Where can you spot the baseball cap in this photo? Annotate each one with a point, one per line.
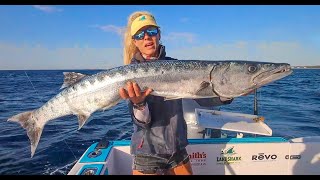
(141, 21)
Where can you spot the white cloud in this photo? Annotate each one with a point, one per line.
(112, 28)
(179, 36)
(184, 20)
(40, 57)
(47, 9)
(284, 52)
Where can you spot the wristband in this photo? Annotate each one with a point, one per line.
(139, 105)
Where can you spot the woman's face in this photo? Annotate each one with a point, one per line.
(147, 40)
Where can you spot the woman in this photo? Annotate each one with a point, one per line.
(159, 140)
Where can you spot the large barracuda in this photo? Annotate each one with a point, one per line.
(84, 94)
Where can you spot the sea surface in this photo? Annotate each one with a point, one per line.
(291, 107)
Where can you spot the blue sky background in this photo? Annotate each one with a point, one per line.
(89, 36)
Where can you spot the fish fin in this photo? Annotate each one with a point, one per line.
(167, 98)
(203, 85)
(82, 118)
(111, 104)
(203, 88)
(71, 78)
(34, 129)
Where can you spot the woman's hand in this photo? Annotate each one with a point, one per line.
(133, 93)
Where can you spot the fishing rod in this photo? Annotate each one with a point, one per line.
(41, 99)
(255, 104)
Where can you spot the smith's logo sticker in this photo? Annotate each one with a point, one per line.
(198, 159)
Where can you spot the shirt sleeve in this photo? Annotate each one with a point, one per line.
(142, 115)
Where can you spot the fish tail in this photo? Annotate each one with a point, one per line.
(29, 122)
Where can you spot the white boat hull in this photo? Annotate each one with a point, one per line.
(218, 156)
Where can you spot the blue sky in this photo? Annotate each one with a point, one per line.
(89, 36)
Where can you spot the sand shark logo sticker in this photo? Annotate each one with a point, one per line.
(228, 151)
(228, 156)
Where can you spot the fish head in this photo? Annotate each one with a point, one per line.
(237, 78)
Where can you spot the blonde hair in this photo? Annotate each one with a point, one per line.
(129, 47)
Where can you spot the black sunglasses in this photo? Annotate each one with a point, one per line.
(151, 31)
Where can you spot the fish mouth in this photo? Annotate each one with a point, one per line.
(269, 76)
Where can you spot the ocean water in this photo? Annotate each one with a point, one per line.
(291, 107)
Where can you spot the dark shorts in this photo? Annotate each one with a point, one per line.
(152, 163)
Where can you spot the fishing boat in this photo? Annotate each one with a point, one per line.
(251, 151)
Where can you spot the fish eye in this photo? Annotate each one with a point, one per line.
(252, 68)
